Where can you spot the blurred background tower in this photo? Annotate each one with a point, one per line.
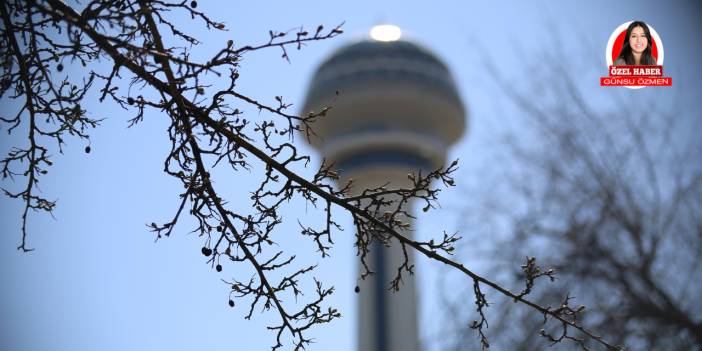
(397, 112)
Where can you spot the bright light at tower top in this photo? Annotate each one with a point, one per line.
(386, 32)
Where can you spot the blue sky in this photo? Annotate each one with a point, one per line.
(97, 280)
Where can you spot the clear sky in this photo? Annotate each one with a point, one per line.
(97, 280)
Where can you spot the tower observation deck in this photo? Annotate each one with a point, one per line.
(397, 112)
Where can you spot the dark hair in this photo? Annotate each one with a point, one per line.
(627, 55)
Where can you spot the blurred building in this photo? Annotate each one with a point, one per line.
(397, 112)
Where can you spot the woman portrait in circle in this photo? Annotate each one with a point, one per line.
(636, 49)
